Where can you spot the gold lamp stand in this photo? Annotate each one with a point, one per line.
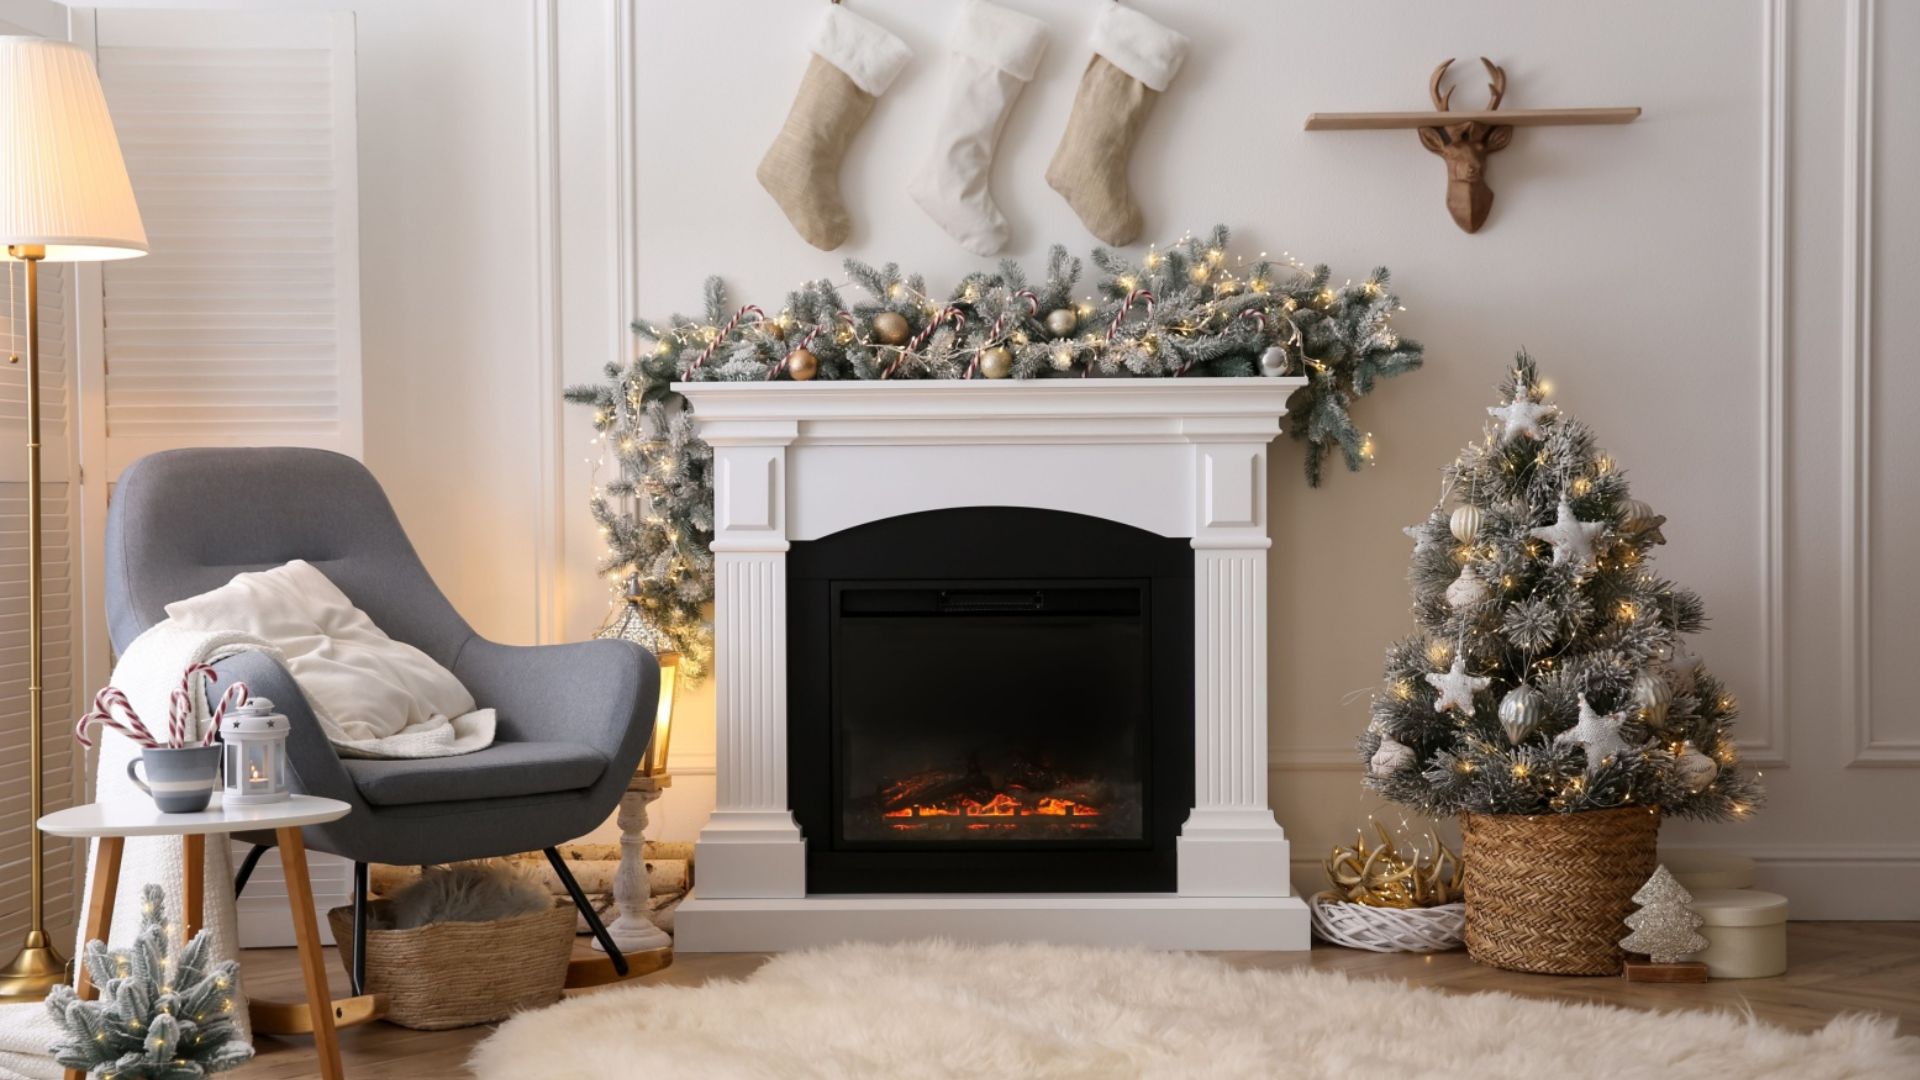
(38, 966)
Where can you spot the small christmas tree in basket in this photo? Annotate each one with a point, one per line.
(160, 1015)
(1549, 697)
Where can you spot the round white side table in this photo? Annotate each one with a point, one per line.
(111, 825)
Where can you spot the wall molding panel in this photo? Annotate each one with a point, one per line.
(1857, 388)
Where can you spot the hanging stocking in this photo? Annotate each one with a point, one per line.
(995, 52)
(1134, 60)
(854, 61)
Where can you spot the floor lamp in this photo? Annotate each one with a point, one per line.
(65, 197)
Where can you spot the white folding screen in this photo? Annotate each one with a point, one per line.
(242, 327)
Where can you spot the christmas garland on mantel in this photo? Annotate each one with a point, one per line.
(1189, 310)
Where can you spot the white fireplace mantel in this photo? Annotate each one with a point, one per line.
(1177, 457)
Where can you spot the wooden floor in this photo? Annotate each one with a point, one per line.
(1833, 968)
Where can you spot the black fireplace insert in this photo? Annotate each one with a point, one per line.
(990, 699)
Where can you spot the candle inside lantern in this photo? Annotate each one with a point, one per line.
(256, 754)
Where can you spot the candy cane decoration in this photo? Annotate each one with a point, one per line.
(725, 332)
(237, 695)
(947, 313)
(1120, 316)
(1033, 302)
(105, 704)
(1113, 328)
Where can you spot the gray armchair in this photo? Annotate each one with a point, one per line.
(573, 720)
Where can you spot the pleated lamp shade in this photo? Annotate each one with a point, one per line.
(63, 183)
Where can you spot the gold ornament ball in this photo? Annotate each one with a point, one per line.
(776, 331)
(996, 363)
(891, 328)
(803, 365)
(1062, 321)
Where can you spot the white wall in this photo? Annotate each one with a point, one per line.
(1646, 266)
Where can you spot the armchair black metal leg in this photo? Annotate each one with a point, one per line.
(358, 977)
(246, 868)
(586, 911)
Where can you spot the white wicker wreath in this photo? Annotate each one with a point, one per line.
(1388, 929)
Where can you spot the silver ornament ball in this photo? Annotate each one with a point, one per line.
(1273, 361)
(1634, 515)
(1652, 696)
(1696, 770)
(1062, 321)
(1521, 713)
(1390, 758)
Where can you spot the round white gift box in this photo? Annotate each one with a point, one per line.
(1746, 932)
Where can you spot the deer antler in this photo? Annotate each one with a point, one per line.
(1498, 87)
(1433, 86)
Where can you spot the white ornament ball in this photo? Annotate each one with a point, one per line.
(1521, 712)
(1273, 361)
(1696, 770)
(1466, 522)
(1062, 321)
(1392, 756)
(1466, 590)
(1652, 696)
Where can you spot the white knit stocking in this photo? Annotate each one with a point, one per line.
(995, 53)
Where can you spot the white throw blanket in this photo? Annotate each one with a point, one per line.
(374, 697)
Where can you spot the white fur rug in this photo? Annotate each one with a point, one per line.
(934, 1010)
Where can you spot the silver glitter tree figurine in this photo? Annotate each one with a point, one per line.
(1665, 930)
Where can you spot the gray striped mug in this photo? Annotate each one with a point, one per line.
(181, 780)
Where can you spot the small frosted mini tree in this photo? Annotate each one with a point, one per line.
(1549, 671)
(160, 1015)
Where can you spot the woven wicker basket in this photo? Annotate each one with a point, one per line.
(1550, 893)
(455, 974)
(1386, 929)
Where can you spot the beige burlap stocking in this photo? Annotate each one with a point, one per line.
(1134, 60)
(854, 61)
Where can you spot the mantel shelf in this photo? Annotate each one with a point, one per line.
(1384, 121)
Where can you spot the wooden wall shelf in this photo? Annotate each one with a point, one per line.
(1386, 121)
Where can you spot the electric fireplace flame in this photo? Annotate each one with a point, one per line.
(1001, 805)
(1024, 800)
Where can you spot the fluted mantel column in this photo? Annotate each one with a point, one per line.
(1230, 844)
(751, 847)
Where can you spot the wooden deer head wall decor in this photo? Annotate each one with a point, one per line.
(1464, 138)
(1465, 147)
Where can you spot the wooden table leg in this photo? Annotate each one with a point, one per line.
(193, 879)
(106, 883)
(313, 961)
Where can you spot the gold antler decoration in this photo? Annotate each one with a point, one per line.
(1382, 877)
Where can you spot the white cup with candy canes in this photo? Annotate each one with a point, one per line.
(183, 768)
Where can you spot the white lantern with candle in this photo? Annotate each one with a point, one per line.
(256, 754)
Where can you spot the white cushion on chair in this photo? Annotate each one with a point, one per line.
(376, 697)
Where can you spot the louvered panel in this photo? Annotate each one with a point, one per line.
(56, 364)
(57, 682)
(241, 325)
